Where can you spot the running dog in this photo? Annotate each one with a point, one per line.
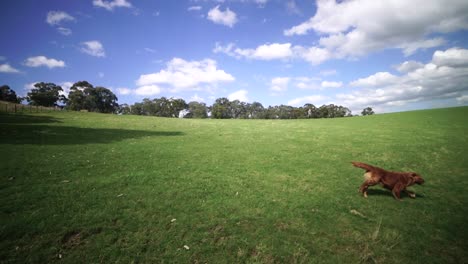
(394, 181)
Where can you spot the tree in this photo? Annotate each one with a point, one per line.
(101, 99)
(255, 110)
(221, 109)
(197, 110)
(83, 96)
(9, 95)
(77, 97)
(367, 111)
(271, 112)
(162, 107)
(285, 112)
(136, 109)
(310, 111)
(298, 113)
(124, 109)
(322, 112)
(45, 94)
(238, 109)
(341, 111)
(176, 105)
(147, 107)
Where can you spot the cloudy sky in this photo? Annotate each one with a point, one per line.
(391, 55)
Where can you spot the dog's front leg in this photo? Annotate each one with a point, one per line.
(396, 191)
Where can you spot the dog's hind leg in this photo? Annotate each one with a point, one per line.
(365, 186)
(410, 193)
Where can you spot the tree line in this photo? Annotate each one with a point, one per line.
(84, 96)
(223, 108)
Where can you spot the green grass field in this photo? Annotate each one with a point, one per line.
(94, 188)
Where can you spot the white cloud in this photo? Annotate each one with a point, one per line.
(279, 84)
(271, 51)
(240, 95)
(314, 83)
(196, 98)
(262, 52)
(314, 55)
(227, 17)
(149, 50)
(306, 83)
(454, 57)
(29, 86)
(349, 29)
(182, 75)
(229, 49)
(261, 2)
(409, 66)
(328, 72)
(39, 61)
(371, 16)
(55, 18)
(276, 51)
(462, 99)
(124, 91)
(194, 8)
(93, 48)
(328, 84)
(64, 31)
(292, 8)
(411, 47)
(110, 5)
(148, 90)
(66, 88)
(312, 99)
(445, 77)
(376, 80)
(6, 68)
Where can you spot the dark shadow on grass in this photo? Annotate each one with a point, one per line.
(383, 192)
(26, 119)
(20, 134)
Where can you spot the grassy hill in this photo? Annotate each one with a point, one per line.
(88, 188)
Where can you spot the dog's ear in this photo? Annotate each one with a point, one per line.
(414, 174)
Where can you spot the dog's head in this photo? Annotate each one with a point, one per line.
(417, 178)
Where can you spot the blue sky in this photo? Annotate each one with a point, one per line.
(390, 55)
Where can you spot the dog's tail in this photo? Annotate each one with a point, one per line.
(361, 165)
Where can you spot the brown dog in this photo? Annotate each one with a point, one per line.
(394, 181)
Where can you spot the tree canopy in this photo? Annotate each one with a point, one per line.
(367, 111)
(223, 108)
(45, 94)
(84, 96)
(197, 110)
(164, 107)
(9, 95)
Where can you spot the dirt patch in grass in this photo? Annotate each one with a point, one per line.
(72, 239)
(75, 238)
